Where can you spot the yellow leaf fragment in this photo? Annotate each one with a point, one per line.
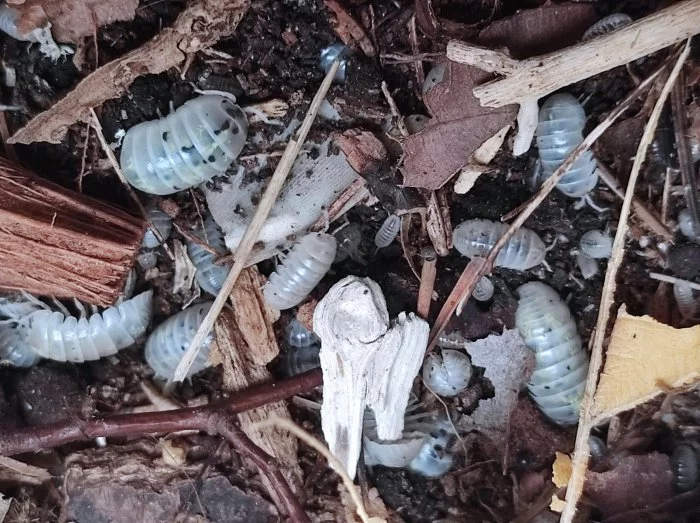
(644, 355)
(561, 472)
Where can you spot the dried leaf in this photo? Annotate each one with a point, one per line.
(638, 481)
(479, 161)
(643, 356)
(540, 30)
(459, 126)
(508, 363)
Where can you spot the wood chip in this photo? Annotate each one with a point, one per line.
(350, 32)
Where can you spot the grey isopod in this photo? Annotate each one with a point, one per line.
(596, 244)
(186, 148)
(388, 231)
(684, 465)
(162, 222)
(209, 276)
(607, 25)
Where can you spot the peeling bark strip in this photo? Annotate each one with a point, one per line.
(62, 243)
(199, 26)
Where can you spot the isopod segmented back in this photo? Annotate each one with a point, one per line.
(14, 348)
(168, 342)
(559, 132)
(477, 237)
(607, 25)
(186, 148)
(388, 231)
(596, 244)
(561, 364)
(209, 275)
(162, 222)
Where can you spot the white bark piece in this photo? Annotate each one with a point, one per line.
(528, 115)
(367, 362)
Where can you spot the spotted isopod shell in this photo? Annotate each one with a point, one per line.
(447, 373)
(186, 148)
(434, 459)
(303, 268)
(388, 231)
(607, 25)
(561, 364)
(596, 244)
(684, 465)
(559, 132)
(162, 222)
(56, 336)
(484, 290)
(14, 349)
(209, 276)
(434, 77)
(168, 342)
(415, 123)
(476, 238)
(685, 299)
(685, 223)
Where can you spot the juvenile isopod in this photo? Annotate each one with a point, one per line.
(14, 349)
(476, 238)
(484, 290)
(162, 222)
(434, 459)
(147, 259)
(434, 77)
(685, 223)
(209, 276)
(60, 337)
(607, 25)
(388, 231)
(685, 299)
(561, 364)
(596, 244)
(447, 373)
(559, 132)
(169, 341)
(684, 465)
(186, 148)
(303, 268)
(415, 123)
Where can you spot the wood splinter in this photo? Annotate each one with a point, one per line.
(57, 242)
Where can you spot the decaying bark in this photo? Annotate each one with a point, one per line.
(246, 343)
(62, 243)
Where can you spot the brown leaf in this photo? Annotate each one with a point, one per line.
(541, 30)
(458, 127)
(636, 482)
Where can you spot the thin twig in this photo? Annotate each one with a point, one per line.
(480, 267)
(251, 234)
(120, 174)
(31, 439)
(673, 279)
(665, 199)
(586, 421)
(394, 110)
(415, 47)
(196, 239)
(396, 58)
(427, 282)
(83, 157)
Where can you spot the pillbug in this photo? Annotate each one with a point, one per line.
(448, 373)
(147, 259)
(607, 25)
(415, 123)
(303, 350)
(684, 465)
(596, 244)
(160, 221)
(484, 290)
(685, 299)
(303, 268)
(388, 231)
(329, 55)
(685, 223)
(300, 336)
(62, 337)
(14, 348)
(186, 148)
(434, 77)
(476, 238)
(434, 459)
(168, 342)
(9, 18)
(597, 448)
(587, 265)
(559, 132)
(209, 276)
(561, 365)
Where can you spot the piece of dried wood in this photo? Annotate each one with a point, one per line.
(199, 26)
(246, 342)
(62, 243)
(538, 76)
(18, 472)
(366, 362)
(350, 32)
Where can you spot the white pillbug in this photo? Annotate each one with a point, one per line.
(559, 132)
(61, 337)
(447, 373)
(434, 459)
(561, 364)
(685, 466)
(476, 238)
(168, 342)
(14, 349)
(190, 146)
(434, 77)
(685, 299)
(300, 336)
(303, 268)
(162, 222)
(685, 223)
(209, 276)
(388, 231)
(596, 244)
(484, 290)
(607, 25)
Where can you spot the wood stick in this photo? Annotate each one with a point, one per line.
(427, 282)
(537, 77)
(673, 279)
(587, 419)
(251, 234)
